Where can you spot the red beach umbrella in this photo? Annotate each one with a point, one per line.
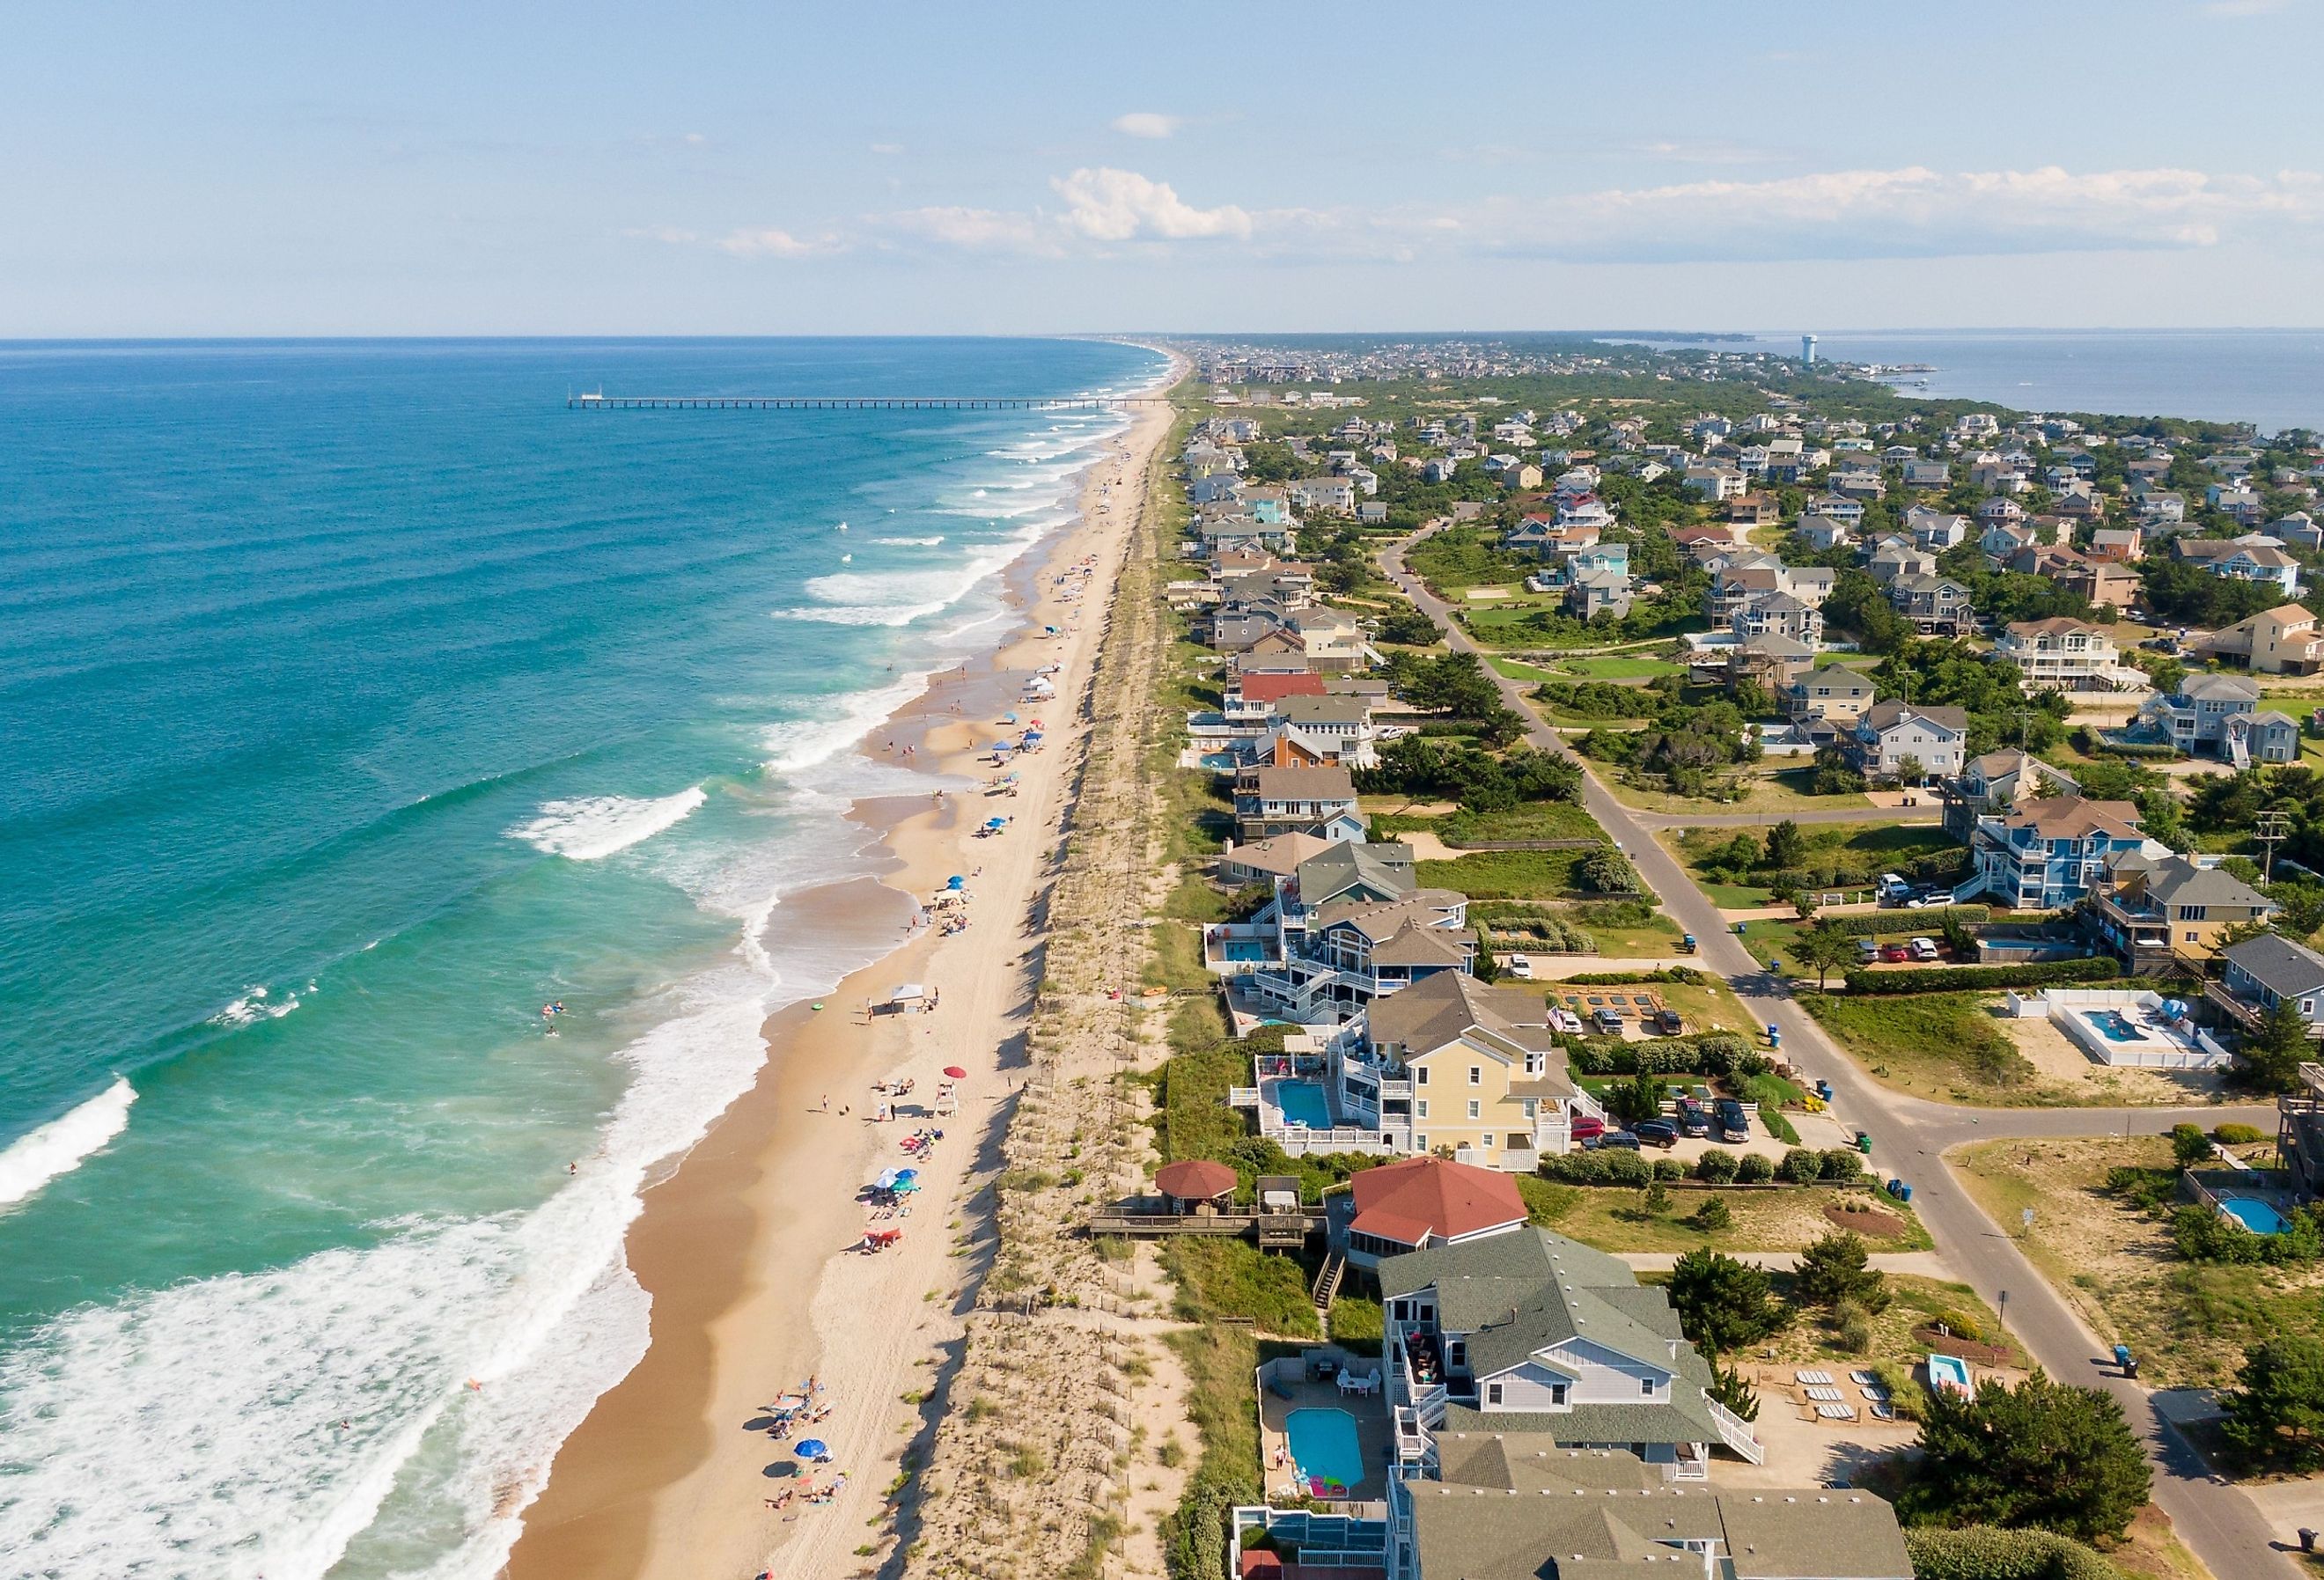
(954, 1072)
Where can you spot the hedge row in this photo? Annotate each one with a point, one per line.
(1930, 921)
(1724, 1054)
(1964, 978)
(1620, 1166)
(1988, 1552)
(1678, 975)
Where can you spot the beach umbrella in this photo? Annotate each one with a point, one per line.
(813, 1448)
(1008, 718)
(903, 1175)
(887, 1179)
(955, 882)
(1001, 745)
(954, 1072)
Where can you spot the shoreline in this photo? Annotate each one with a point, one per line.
(744, 1246)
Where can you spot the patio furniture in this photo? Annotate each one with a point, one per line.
(1825, 1395)
(1819, 1378)
(1884, 1412)
(1836, 1412)
(1864, 1379)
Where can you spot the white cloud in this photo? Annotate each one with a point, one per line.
(887, 148)
(974, 230)
(766, 242)
(697, 139)
(667, 234)
(1147, 124)
(1108, 205)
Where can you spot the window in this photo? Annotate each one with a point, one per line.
(1476, 1075)
(1475, 1109)
(1492, 1393)
(1456, 1353)
(1423, 1106)
(1420, 1143)
(2191, 936)
(1420, 1075)
(1557, 1393)
(1646, 1388)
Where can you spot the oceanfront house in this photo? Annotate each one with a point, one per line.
(1263, 861)
(1529, 1332)
(1996, 782)
(1834, 695)
(1214, 488)
(1937, 605)
(1343, 955)
(2064, 654)
(2163, 912)
(1418, 1203)
(1319, 731)
(2276, 642)
(1894, 740)
(1251, 697)
(2239, 561)
(2047, 853)
(1228, 529)
(1269, 800)
(2266, 970)
(2214, 715)
(1269, 506)
(1331, 640)
(1450, 1064)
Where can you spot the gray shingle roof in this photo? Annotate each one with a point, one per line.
(2277, 963)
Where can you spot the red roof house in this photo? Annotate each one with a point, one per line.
(1427, 1201)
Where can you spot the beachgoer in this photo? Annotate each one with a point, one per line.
(827, 1102)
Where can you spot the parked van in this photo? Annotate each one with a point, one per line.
(1923, 949)
(1727, 1116)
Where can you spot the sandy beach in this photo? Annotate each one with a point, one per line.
(747, 1247)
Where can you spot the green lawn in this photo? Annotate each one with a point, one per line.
(1613, 1218)
(1516, 671)
(1942, 1045)
(1615, 666)
(1531, 821)
(1507, 875)
(1857, 854)
(1782, 790)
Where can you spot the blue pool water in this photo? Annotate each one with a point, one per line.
(1245, 951)
(1303, 1103)
(1949, 1372)
(2256, 1215)
(1324, 1445)
(2116, 1026)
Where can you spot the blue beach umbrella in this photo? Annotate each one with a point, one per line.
(813, 1448)
(908, 1174)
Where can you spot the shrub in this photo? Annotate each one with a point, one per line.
(1753, 1169)
(1715, 1166)
(1800, 1167)
(1960, 1323)
(1866, 923)
(1669, 1168)
(1987, 1552)
(1852, 1329)
(1959, 978)
(1714, 1216)
(2238, 1135)
(1355, 1325)
(2190, 1146)
(1839, 1163)
(1607, 1166)
(1655, 1200)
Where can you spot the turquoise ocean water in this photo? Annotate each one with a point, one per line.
(357, 701)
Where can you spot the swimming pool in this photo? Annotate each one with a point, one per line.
(1242, 949)
(2256, 1215)
(1324, 1446)
(1303, 1103)
(1951, 1372)
(2117, 1026)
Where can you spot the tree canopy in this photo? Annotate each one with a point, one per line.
(1723, 1304)
(2041, 1454)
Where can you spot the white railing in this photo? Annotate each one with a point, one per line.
(1685, 1468)
(1735, 1432)
(1242, 1097)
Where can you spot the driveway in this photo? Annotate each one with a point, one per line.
(2225, 1528)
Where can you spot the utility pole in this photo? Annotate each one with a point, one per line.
(2269, 832)
(2024, 716)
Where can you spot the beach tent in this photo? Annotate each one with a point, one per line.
(908, 998)
(955, 882)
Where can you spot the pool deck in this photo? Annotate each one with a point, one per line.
(1372, 1435)
(1271, 1103)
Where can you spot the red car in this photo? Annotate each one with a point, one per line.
(1587, 1129)
(1894, 953)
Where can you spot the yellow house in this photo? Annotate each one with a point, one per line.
(1451, 1066)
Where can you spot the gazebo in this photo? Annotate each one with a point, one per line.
(1196, 1185)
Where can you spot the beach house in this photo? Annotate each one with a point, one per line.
(2064, 654)
(2240, 562)
(1895, 740)
(1996, 782)
(1530, 1332)
(1834, 695)
(1451, 1064)
(1416, 1203)
(1937, 605)
(2264, 971)
(1270, 800)
(2156, 910)
(2281, 640)
(2207, 713)
(2046, 853)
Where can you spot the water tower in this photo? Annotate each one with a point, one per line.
(1807, 350)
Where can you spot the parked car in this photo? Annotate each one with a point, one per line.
(1895, 954)
(1923, 949)
(1521, 968)
(1893, 889)
(1692, 1120)
(1867, 950)
(1732, 1123)
(1620, 1139)
(1655, 1132)
(1669, 1022)
(1607, 1020)
(1567, 1022)
(1587, 1128)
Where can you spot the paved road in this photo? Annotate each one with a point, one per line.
(1909, 1136)
(1929, 815)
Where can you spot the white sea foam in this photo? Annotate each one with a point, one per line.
(861, 614)
(595, 827)
(795, 744)
(910, 542)
(59, 1146)
(257, 1003)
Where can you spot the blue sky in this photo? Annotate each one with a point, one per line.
(239, 169)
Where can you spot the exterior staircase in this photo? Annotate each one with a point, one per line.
(1328, 1278)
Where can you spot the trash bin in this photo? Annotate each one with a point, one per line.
(1823, 1090)
(1864, 1143)
(2307, 1539)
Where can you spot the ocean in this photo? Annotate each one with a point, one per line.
(359, 701)
(2274, 378)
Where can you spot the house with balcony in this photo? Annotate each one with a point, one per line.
(1996, 782)
(1269, 800)
(1937, 605)
(2239, 561)
(2047, 853)
(1319, 731)
(2275, 642)
(1451, 1063)
(1935, 530)
(1529, 1332)
(2266, 970)
(1893, 559)
(1892, 737)
(2157, 911)
(2209, 715)
(1419, 1203)
(1778, 614)
(1341, 956)
(2064, 654)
